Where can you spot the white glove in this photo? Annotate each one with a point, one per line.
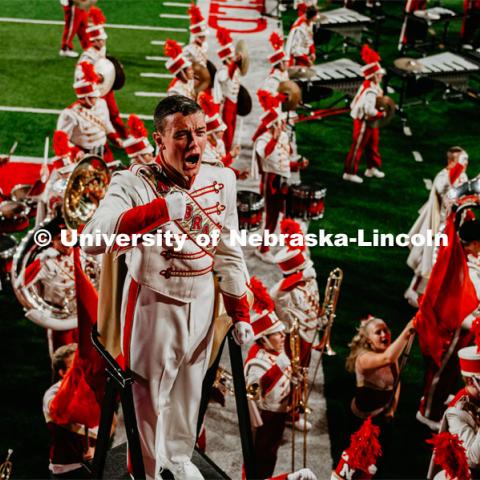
(309, 273)
(303, 474)
(242, 333)
(283, 361)
(176, 205)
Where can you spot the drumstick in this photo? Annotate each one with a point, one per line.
(12, 150)
(44, 171)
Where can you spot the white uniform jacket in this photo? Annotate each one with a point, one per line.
(300, 300)
(300, 40)
(226, 85)
(274, 384)
(177, 87)
(86, 128)
(196, 53)
(278, 160)
(363, 105)
(211, 207)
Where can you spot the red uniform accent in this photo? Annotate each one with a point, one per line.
(115, 114)
(471, 20)
(128, 327)
(229, 117)
(365, 139)
(270, 378)
(237, 307)
(76, 22)
(64, 337)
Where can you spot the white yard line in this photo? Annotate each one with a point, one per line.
(174, 15)
(51, 111)
(177, 4)
(162, 42)
(154, 58)
(107, 25)
(156, 75)
(151, 94)
(17, 159)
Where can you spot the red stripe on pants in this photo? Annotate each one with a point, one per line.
(129, 314)
(274, 202)
(365, 139)
(229, 117)
(76, 22)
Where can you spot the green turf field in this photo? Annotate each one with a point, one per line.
(33, 75)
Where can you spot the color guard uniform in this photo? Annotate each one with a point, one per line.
(168, 296)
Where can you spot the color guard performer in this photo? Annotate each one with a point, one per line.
(76, 23)
(197, 50)
(168, 298)
(181, 68)
(137, 146)
(366, 135)
(432, 218)
(71, 445)
(300, 46)
(87, 121)
(96, 51)
(373, 358)
(267, 376)
(278, 59)
(227, 84)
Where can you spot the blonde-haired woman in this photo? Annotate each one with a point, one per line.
(374, 360)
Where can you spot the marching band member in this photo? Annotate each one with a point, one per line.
(196, 50)
(76, 23)
(300, 46)
(411, 6)
(70, 445)
(215, 153)
(461, 417)
(181, 68)
(87, 121)
(268, 372)
(278, 59)
(296, 295)
(432, 217)
(227, 84)
(373, 358)
(272, 150)
(359, 460)
(450, 304)
(95, 52)
(366, 135)
(470, 23)
(168, 298)
(137, 146)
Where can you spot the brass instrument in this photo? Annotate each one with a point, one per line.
(6, 467)
(329, 307)
(223, 381)
(300, 393)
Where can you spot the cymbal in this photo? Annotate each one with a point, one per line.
(388, 105)
(301, 73)
(241, 48)
(409, 64)
(293, 93)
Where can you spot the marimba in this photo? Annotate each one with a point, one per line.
(346, 22)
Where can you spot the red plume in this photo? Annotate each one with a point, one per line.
(369, 55)
(208, 105)
(195, 14)
(223, 36)
(89, 74)
(262, 299)
(449, 454)
(267, 100)
(137, 127)
(276, 41)
(302, 8)
(172, 48)
(96, 16)
(290, 227)
(61, 146)
(364, 448)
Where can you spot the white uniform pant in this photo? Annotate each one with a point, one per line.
(167, 345)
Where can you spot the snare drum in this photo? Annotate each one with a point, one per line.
(21, 193)
(306, 202)
(13, 217)
(8, 246)
(250, 206)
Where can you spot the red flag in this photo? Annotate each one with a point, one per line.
(449, 297)
(79, 397)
